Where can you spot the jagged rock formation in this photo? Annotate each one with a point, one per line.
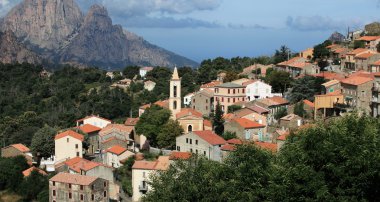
(12, 51)
(337, 37)
(59, 32)
(373, 29)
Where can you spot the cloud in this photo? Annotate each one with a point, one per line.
(167, 22)
(320, 23)
(6, 5)
(242, 26)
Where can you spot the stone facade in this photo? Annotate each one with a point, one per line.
(228, 94)
(203, 101)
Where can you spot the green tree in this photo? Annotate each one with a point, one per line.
(359, 44)
(231, 76)
(33, 185)
(279, 80)
(281, 55)
(168, 133)
(306, 88)
(280, 113)
(227, 135)
(131, 71)
(320, 50)
(11, 172)
(299, 109)
(218, 120)
(233, 108)
(43, 141)
(151, 121)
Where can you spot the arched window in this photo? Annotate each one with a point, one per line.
(190, 128)
(175, 91)
(175, 105)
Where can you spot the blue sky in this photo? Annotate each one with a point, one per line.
(201, 29)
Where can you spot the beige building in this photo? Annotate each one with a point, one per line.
(370, 42)
(94, 120)
(298, 66)
(349, 62)
(308, 53)
(246, 129)
(175, 94)
(116, 155)
(203, 101)
(205, 143)
(141, 173)
(68, 145)
(357, 92)
(228, 94)
(66, 187)
(149, 85)
(190, 120)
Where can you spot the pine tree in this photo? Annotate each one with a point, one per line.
(218, 121)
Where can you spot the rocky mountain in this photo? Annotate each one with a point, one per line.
(58, 31)
(336, 37)
(373, 28)
(12, 51)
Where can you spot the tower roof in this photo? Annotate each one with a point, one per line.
(175, 74)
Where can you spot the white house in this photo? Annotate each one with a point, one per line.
(94, 120)
(206, 143)
(187, 99)
(145, 70)
(115, 155)
(256, 89)
(141, 171)
(68, 145)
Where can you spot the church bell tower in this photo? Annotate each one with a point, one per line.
(175, 94)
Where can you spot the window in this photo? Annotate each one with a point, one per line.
(81, 197)
(243, 90)
(228, 100)
(81, 187)
(191, 150)
(54, 193)
(204, 153)
(77, 153)
(105, 193)
(206, 101)
(206, 107)
(191, 141)
(222, 99)
(175, 105)
(178, 148)
(105, 184)
(70, 195)
(53, 183)
(187, 140)
(76, 146)
(190, 129)
(196, 142)
(234, 100)
(92, 197)
(92, 187)
(196, 151)
(67, 139)
(234, 91)
(143, 174)
(69, 186)
(228, 91)
(193, 100)
(175, 91)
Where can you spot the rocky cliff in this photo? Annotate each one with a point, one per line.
(59, 32)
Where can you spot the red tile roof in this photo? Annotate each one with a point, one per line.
(228, 147)
(117, 149)
(22, 148)
(145, 106)
(247, 124)
(131, 121)
(330, 76)
(283, 134)
(163, 103)
(73, 179)
(210, 137)
(258, 109)
(87, 117)
(364, 55)
(357, 51)
(356, 80)
(88, 128)
(268, 146)
(340, 50)
(308, 103)
(77, 164)
(368, 38)
(235, 141)
(116, 127)
(28, 171)
(279, 100)
(71, 134)
(189, 112)
(179, 155)
(377, 63)
(207, 123)
(162, 163)
(291, 61)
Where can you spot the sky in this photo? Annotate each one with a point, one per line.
(202, 29)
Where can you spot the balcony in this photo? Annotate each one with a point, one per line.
(143, 188)
(376, 89)
(375, 99)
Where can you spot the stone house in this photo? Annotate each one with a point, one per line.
(308, 53)
(375, 67)
(370, 42)
(364, 61)
(17, 150)
(308, 106)
(141, 172)
(116, 155)
(246, 129)
(66, 187)
(273, 105)
(149, 85)
(68, 145)
(332, 86)
(203, 101)
(349, 61)
(93, 137)
(376, 95)
(290, 121)
(205, 143)
(94, 120)
(228, 94)
(116, 134)
(298, 66)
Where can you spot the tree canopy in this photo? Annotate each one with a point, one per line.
(43, 142)
(306, 88)
(279, 80)
(218, 120)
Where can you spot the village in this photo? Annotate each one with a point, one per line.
(87, 154)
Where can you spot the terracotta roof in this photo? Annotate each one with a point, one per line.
(145, 106)
(71, 134)
(268, 146)
(162, 163)
(210, 137)
(340, 50)
(77, 164)
(235, 141)
(147, 68)
(211, 84)
(332, 46)
(188, 112)
(131, 121)
(330, 83)
(180, 155)
(249, 82)
(163, 103)
(377, 63)
(357, 51)
(308, 103)
(258, 109)
(291, 61)
(368, 38)
(117, 149)
(73, 179)
(283, 134)
(330, 75)
(228, 116)
(28, 171)
(228, 147)
(279, 100)
(241, 81)
(87, 117)
(207, 123)
(112, 138)
(243, 112)
(121, 128)
(22, 148)
(290, 117)
(364, 55)
(356, 80)
(88, 128)
(245, 123)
